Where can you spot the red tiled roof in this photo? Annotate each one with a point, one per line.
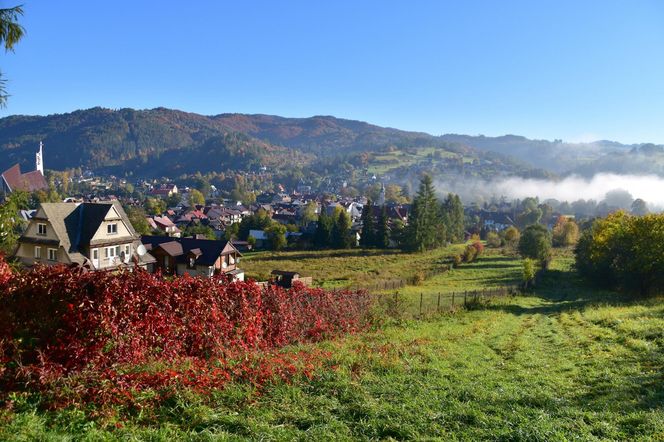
(160, 192)
(28, 182)
(163, 221)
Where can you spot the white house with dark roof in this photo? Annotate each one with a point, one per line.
(95, 234)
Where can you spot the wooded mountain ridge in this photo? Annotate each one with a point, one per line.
(162, 142)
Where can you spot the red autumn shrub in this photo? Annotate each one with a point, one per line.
(479, 247)
(59, 321)
(5, 272)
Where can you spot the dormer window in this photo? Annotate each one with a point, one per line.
(41, 229)
(112, 229)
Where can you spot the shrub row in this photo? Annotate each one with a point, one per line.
(59, 321)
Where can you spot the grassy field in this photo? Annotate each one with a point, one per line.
(385, 162)
(343, 268)
(565, 363)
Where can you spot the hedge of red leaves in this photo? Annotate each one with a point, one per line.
(67, 326)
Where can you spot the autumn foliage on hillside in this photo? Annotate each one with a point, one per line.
(106, 337)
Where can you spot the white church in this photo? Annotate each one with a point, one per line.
(13, 180)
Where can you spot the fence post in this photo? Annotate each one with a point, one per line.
(465, 298)
(452, 299)
(438, 305)
(421, 298)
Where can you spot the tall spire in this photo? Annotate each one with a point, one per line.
(39, 159)
(381, 196)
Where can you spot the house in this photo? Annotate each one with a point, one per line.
(95, 234)
(194, 256)
(226, 215)
(164, 224)
(285, 217)
(165, 190)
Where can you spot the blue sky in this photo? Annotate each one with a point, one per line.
(576, 70)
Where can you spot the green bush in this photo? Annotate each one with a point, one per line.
(625, 252)
(535, 243)
(493, 240)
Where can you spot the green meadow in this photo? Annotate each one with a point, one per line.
(566, 362)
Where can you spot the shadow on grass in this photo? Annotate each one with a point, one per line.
(491, 263)
(329, 254)
(564, 290)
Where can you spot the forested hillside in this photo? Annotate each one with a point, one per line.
(162, 142)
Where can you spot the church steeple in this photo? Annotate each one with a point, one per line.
(381, 196)
(39, 159)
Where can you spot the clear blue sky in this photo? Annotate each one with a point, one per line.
(543, 69)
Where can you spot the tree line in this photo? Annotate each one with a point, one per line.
(433, 223)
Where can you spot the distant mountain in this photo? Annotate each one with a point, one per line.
(325, 134)
(556, 156)
(161, 142)
(154, 142)
(166, 142)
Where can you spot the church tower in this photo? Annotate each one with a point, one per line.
(39, 159)
(381, 196)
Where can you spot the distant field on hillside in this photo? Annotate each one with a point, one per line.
(565, 363)
(385, 162)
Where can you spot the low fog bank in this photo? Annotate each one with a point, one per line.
(649, 188)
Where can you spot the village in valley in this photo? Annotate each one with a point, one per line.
(331, 221)
(181, 229)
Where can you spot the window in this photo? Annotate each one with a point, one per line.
(112, 229)
(37, 252)
(41, 229)
(95, 254)
(111, 252)
(128, 250)
(52, 254)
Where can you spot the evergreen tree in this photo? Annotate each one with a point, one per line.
(382, 240)
(368, 237)
(341, 230)
(453, 218)
(425, 222)
(323, 231)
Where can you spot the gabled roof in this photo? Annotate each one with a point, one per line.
(63, 218)
(173, 248)
(210, 249)
(28, 182)
(75, 224)
(164, 221)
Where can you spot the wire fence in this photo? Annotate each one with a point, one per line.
(423, 304)
(398, 283)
